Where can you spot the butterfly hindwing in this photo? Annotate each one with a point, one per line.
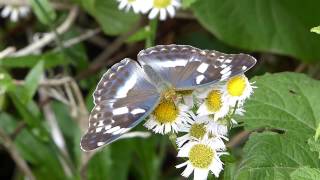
(186, 67)
(123, 98)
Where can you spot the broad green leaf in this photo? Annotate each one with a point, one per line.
(285, 101)
(316, 29)
(273, 156)
(306, 173)
(282, 102)
(51, 59)
(32, 81)
(273, 26)
(314, 145)
(112, 20)
(316, 136)
(44, 11)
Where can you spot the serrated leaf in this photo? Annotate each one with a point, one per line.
(306, 173)
(286, 101)
(281, 27)
(282, 102)
(112, 20)
(44, 11)
(314, 145)
(32, 81)
(316, 29)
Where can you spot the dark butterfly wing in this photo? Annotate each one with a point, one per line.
(186, 67)
(123, 98)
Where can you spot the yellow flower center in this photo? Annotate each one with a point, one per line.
(131, 1)
(214, 101)
(197, 130)
(166, 112)
(161, 3)
(236, 85)
(201, 156)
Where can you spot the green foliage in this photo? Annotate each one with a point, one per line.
(44, 11)
(274, 26)
(282, 102)
(112, 20)
(187, 3)
(50, 59)
(305, 173)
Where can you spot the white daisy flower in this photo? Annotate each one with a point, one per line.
(162, 7)
(202, 158)
(215, 128)
(128, 4)
(238, 88)
(14, 12)
(214, 103)
(167, 117)
(197, 129)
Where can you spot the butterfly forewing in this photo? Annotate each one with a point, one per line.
(186, 67)
(123, 97)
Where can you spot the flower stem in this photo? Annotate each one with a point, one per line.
(150, 41)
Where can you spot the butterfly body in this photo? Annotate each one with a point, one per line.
(128, 92)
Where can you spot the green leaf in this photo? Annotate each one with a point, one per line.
(112, 20)
(40, 155)
(44, 11)
(316, 29)
(314, 146)
(187, 3)
(273, 26)
(140, 35)
(32, 81)
(273, 156)
(285, 102)
(112, 162)
(316, 136)
(306, 173)
(51, 59)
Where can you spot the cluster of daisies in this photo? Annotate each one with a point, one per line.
(161, 8)
(200, 120)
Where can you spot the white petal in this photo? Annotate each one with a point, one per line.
(163, 14)
(171, 11)
(122, 4)
(188, 170)
(6, 11)
(154, 12)
(203, 110)
(184, 150)
(200, 174)
(14, 16)
(182, 164)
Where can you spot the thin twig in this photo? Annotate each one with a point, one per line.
(88, 34)
(48, 82)
(108, 52)
(13, 151)
(49, 37)
(6, 52)
(56, 134)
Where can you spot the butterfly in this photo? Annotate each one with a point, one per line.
(129, 91)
